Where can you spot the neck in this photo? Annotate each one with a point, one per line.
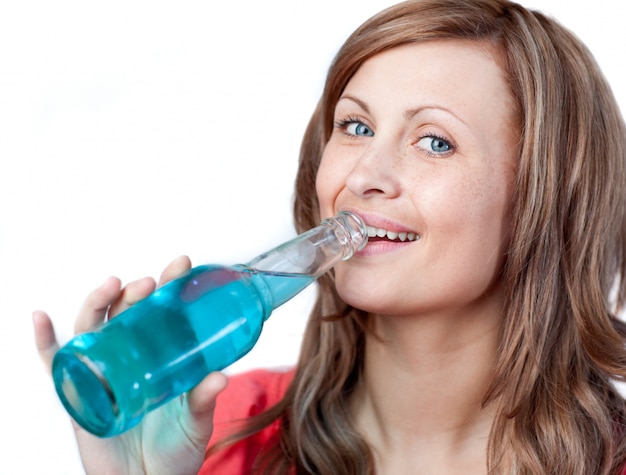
(423, 386)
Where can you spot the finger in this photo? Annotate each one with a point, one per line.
(197, 415)
(96, 305)
(131, 294)
(45, 339)
(175, 269)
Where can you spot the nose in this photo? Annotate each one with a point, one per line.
(376, 173)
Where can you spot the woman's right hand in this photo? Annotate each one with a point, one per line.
(170, 440)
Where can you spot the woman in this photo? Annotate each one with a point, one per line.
(477, 332)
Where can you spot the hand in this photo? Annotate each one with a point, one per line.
(170, 440)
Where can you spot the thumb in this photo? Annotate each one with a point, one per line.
(197, 415)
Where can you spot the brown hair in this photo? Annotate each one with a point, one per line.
(561, 341)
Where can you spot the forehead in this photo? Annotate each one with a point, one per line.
(438, 57)
(460, 74)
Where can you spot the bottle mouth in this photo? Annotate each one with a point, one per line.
(84, 392)
(357, 231)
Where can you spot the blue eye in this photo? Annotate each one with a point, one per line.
(435, 145)
(359, 128)
(354, 127)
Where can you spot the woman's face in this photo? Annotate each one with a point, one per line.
(424, 148)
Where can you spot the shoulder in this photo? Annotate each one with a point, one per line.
(246, 395)
(252, 392)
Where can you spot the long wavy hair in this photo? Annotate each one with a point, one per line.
(562, 345)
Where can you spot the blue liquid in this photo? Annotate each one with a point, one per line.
(166, 344)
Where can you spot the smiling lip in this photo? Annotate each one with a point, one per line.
(385, 235)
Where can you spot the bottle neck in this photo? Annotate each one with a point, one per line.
(275, 288)
(317, 250)
(286, 270)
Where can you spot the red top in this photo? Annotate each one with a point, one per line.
(246, 395)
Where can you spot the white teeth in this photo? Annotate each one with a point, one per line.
(392, 236)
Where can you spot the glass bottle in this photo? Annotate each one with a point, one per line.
(164, 345)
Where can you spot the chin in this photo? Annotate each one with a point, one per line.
(361, 300)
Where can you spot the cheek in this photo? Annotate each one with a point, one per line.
(326, 185)
(490, 219)
(475, 217)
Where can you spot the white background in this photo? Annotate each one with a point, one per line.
(135, 131)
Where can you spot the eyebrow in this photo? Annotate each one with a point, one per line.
(408, 114)
(357, 101)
